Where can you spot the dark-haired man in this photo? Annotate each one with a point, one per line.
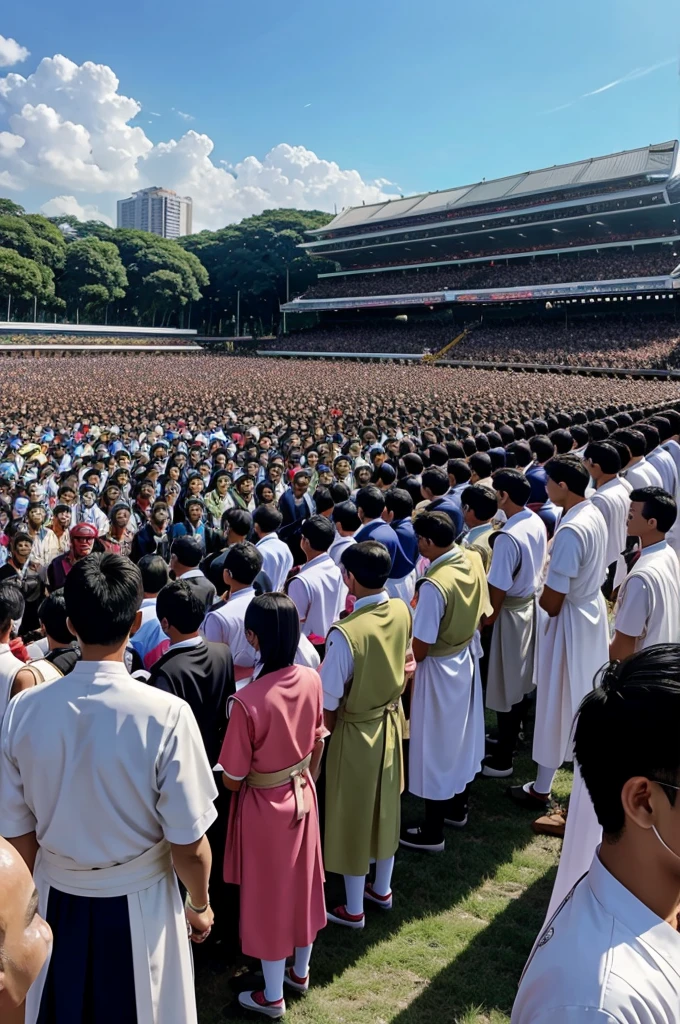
(447, 707)
(62, 654)
(612, 497)
(185, 558)
(108, 778)
(610, 952)
(574, 646)
(149, 641)
(152, 538)
(347, 522)
(318, 590)
(637, 471)
(363, 677)
(225, 623)
(514, 578)
(277, 560)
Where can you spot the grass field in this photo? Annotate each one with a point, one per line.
(452, 949)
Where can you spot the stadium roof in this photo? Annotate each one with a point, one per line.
(657, 161)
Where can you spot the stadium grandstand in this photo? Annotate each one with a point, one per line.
(598, 236)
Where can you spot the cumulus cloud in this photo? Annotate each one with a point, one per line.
(67, 126)
(61, 206)
(11, 52)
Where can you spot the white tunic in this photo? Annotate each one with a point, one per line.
(108, 772)
(613, 501)
(573, 645)
(447, 708)
(605, 958)
(664, 464)
(319, 594)
(225, 625)
(517, 568)
(642, 474)
(277, 559)
(338, 546)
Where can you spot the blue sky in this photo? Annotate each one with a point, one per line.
(424, 94)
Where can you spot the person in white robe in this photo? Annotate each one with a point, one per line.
(225, 623)
(106, 791)
(573, 642)
(318, 591)
(447, 706)
(277, 560)
(612, 497)
(347, 522)
(610, 951)
(637, 471)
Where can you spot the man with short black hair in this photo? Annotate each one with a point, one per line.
(459, 475)
(447, 706)
(277, 560)
(575, 644)
(347, 522)
(434, 488)
(149, 641)
(515, 576)
(612, 497)
(318, 590)
(479, 505)
(184, 562)
(63, 653)
(108, 778)
(225, 623)
(152, 538)
(637, 471)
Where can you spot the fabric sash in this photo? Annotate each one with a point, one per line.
(295, 775)
(120, 880)
(513, 603)
(373, 715)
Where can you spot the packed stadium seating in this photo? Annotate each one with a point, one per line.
(59, 338)
(609, 264)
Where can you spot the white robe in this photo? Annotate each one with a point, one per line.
(573, 645)
(613, 501)
(108, 772)
(656, 570)
(447, 709)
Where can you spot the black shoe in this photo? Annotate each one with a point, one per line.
(494, 767)
(457, 822)
(418, 839)
(529, 799)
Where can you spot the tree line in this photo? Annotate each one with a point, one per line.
(217, 282)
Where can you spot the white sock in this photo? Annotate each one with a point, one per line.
(273, 971)
(544, 779)
(303, 955)
(383, 876)
(354, 894)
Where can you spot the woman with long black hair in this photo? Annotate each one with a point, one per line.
(270, 755)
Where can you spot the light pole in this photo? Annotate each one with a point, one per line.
(238, 313)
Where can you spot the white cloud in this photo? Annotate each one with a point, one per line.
(11, 52)
(67, 127)
(61, 206)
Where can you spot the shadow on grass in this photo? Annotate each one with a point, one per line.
(428, 884)
(484, 977)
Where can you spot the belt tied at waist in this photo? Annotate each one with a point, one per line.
(373, 715)
(514, 603)
(295, 775)
(119, 880)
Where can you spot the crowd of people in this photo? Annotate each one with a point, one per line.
(221, 598)
(603, 341)
(47, 336)
(607, 265)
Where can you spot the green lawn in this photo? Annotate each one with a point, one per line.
(452, 949)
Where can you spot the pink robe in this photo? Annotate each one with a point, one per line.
(274, 723)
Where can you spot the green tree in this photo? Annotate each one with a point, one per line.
(33, 237)
(93, 276)
(259, 258)
(182, 276)
(22, 281)
(7, 206)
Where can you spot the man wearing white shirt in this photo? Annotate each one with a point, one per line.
(612, 497)
(638, 472)
(277, 560)
(611, 952)
(318, 591)
(226, 623)
(658, 457)
(347, 522)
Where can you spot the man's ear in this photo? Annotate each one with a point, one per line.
(136, 624)
(71, 628)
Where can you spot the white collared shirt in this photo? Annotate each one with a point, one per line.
(604, 957)
(193, 641)
(277, 559)
(225, 625)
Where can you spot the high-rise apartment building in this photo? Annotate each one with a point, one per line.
(158, 210)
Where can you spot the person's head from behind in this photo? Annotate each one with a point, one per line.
(513, 489)
(180, 609)
(567, 479)
(435, 533)
(11, 610)
(434, 483)
(458, 472)
(602, 461)
(480, 467)
(398, 505)
(103, 594)
(186, 554)
(236, 525)
(627, 749)
(479, 504)
(25, 938)
(54, 618)
(346, 518)
(272, 627)
(542, 448)
(370, 502)
(323, 499)
(316, 536)
(634, 441)
(155, 574)
(266, 519)
(242, 563)
(365, 567)
(652, 514)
